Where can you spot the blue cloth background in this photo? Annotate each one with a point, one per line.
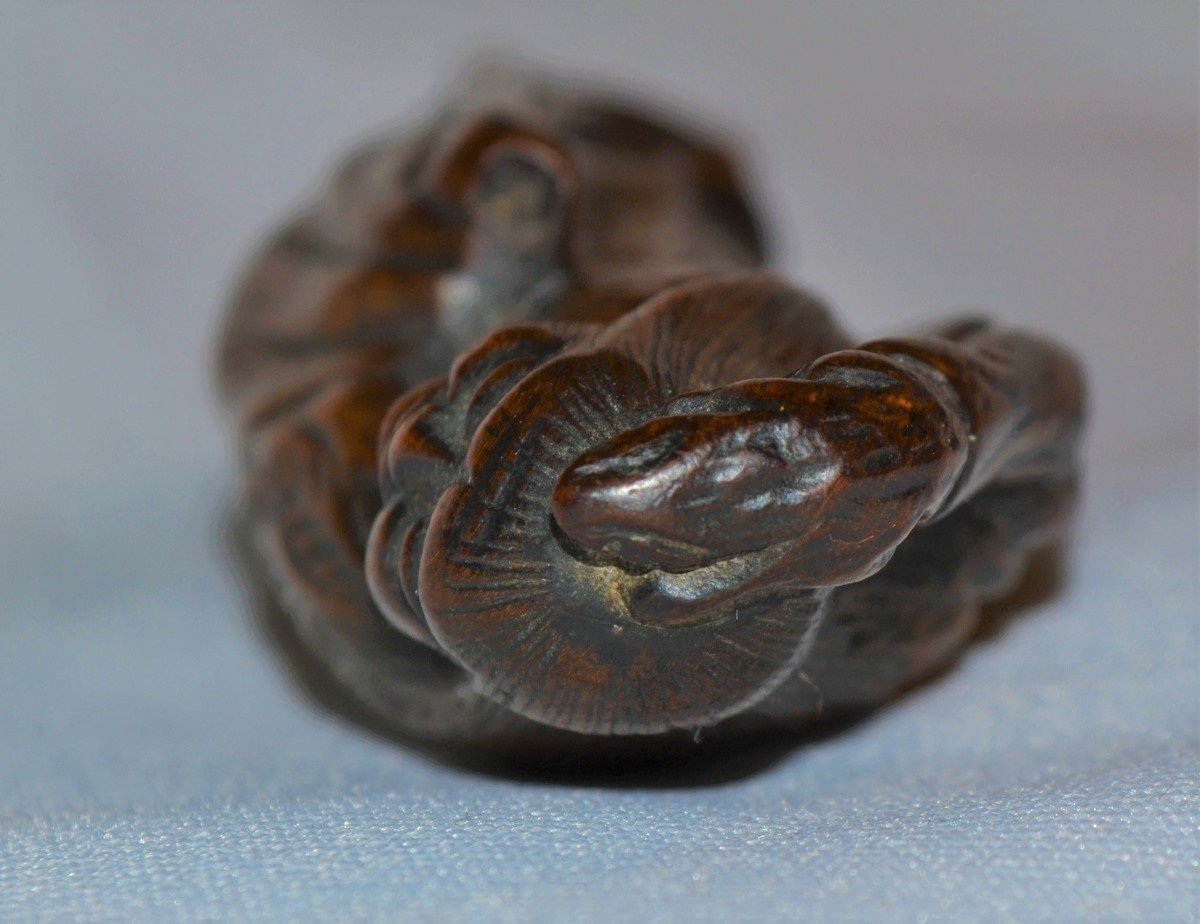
(155, 761)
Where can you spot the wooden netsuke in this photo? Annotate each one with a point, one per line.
(537, 457)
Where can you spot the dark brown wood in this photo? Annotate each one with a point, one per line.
(537, 452)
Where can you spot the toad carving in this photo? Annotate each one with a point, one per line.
(537, 455)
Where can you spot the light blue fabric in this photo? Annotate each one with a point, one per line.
(157, 764)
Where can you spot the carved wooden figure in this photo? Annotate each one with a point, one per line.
(537, 455)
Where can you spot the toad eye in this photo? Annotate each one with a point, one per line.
(516, 190)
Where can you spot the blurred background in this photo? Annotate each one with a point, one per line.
(1036, 160)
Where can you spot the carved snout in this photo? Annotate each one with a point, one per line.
(680, 493)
